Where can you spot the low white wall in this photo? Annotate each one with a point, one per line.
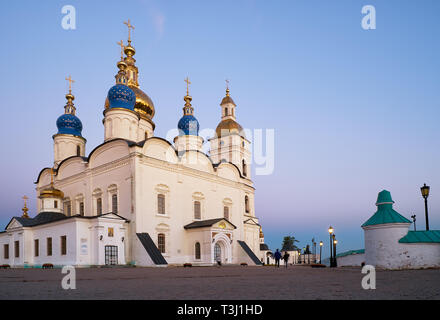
(351, 260)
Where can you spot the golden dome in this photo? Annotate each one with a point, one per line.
(229, 126)
(227, 99)
(144, 106)
(51, 192)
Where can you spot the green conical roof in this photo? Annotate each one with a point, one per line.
(385, 212)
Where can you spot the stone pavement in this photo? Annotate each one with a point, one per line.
(219, 283)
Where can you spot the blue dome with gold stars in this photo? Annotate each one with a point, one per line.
(121, 96)
(69, 124)
(188, 125)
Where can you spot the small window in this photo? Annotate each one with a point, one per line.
(111, 232)
(246, 204)
(114, 203)
(63, 245)
(99, 206)
(49, 246)
(197, 251)
(161, 242)
(78, 151)
(55, 204)
(81, 208)
(226, 111)
(6, 251)
(197, 211)
(17, 249)
(226, 212)
(68, 208)
(160, 204)
(244, 168)
(36, 247)
(146, 135)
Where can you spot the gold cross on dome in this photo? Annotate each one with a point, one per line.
(187, 85)
(227, 84)
(129, 26)
(121, 44)
(25, 198)
(70, 83)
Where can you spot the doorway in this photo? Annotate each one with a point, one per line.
(111, 255)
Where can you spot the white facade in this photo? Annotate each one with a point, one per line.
(138, 184)
(383, 250)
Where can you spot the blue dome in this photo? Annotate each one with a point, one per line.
(121, 96)
(69, 124)
(188, 125)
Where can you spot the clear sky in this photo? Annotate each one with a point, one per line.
(354, 111)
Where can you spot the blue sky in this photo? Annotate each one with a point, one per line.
(354, 111)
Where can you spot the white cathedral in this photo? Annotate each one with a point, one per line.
(138, 199)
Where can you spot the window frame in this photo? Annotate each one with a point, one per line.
(36, 247)
(161, 242)
(17, 248)
(49, 246)
(6, 251)
(63, 245)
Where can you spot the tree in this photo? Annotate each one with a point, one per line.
(289, 244)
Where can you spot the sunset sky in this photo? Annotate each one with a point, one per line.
(354, 111)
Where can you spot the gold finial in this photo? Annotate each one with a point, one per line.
(121, 44)
(227, 87)
(25, 208)
(187, 85)
(70, 83)
(129, 26)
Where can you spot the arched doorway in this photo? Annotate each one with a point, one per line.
(221, 249)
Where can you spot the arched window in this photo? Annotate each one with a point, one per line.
(78, 150)
(99, 206)
(114, 203)
(81, 208)
(226, 111)
(160, 204)
(146, 135)
(197, 250)
(161, 242)
(244, 168)
(226, 212)
(197, 211)
(246, 204)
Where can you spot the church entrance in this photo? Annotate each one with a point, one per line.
(221, 249)
(111, 255)
(217, 253)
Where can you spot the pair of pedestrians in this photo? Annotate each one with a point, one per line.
(277, 256)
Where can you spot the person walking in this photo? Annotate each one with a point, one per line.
(277, 256)
(286, 258)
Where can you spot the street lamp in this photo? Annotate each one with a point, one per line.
(414, 220)
(335, 242)
(425, 195)
(320, 250)
(330, 231)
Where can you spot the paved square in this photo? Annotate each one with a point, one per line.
(228, 282)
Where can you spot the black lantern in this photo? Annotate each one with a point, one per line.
(425, 195)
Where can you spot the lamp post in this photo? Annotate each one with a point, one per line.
(414, 220)
(335, 242)
(425, 195)
(320, 250)
(330, 231)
